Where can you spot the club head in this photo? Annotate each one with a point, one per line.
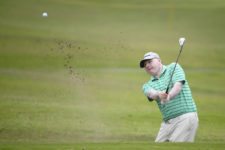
(181, 41)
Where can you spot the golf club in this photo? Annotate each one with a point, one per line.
(181, 42)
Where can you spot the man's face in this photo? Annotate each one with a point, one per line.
(152, 66)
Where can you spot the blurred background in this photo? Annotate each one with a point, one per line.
(74, 76)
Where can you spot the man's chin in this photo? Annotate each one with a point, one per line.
(151, 73)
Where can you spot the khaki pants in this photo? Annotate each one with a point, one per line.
(180, 129)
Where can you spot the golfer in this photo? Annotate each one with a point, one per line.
(178, 109)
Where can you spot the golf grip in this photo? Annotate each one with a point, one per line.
(167, 90)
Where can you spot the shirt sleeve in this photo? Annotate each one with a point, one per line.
(179, 75)
(146, 87)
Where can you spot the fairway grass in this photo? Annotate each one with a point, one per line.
(72, 80)
(54, 107)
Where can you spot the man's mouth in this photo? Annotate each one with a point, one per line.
(149, 69)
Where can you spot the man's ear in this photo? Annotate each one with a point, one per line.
(160, 60)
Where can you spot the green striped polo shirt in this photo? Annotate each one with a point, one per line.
(180, 104)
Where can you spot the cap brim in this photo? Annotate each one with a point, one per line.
(142, 63)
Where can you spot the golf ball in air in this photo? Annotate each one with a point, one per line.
(45, 14)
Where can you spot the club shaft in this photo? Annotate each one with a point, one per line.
(171, 77)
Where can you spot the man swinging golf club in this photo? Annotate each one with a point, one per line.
(169, 88)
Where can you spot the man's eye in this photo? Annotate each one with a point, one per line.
(148, 62)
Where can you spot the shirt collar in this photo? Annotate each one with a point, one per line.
(161, 74)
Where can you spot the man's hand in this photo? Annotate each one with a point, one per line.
(158, 95)
(152, 94)
(163, 97)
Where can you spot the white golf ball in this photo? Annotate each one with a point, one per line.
(45, 14)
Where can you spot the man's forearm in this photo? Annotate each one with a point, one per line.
(177, 87)
(153, 94)
(175, 90)
(160, 95)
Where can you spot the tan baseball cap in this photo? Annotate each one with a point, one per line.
(148, 56)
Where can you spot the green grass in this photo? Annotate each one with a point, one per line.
(71, 80)
(114, 146)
